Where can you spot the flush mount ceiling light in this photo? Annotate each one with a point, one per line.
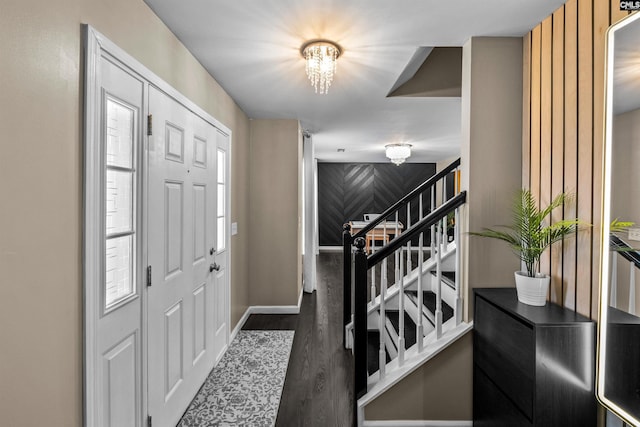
(321, 57)
(398, 153)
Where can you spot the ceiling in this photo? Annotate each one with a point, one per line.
(252, 48)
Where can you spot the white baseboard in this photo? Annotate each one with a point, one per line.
(330, 249)
(274, 309)
(417, 423)
(266, 309)
(277, 309)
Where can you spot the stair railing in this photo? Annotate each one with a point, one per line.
(364, 266)
(389, 223)
(620, 248)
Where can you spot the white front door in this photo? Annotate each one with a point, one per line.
(149, 347)
(115, 254)
(182, 309)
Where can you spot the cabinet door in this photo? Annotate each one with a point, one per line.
(504, 350)
(491, 408)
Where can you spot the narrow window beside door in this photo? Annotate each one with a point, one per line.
(221, 217)
(120, 183)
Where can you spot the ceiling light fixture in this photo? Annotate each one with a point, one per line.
(321, 57)
(398, 152)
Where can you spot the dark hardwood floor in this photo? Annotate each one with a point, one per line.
(318, 389)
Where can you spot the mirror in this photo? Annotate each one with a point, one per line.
(618, 377)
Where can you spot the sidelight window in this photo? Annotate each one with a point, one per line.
(221, 213)
(119, 208)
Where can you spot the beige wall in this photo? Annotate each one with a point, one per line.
(275, 214)
(41, 183)
(441, 389)
(441, 164)
(490, 153)
(240, 285)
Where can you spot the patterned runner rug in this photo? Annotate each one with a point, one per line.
(244, 389)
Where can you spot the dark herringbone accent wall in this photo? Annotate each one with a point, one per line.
(358, 190)
(346, 191)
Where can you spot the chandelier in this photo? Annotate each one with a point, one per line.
(321, 58)
(398, 152)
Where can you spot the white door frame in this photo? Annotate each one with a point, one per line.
(310, 217)
(95, 46)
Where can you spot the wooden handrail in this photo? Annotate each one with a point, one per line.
(403, 201)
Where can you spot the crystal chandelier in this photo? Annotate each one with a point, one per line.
(398, 153)
(321, 57)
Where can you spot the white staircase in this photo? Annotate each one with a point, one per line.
(411, 290)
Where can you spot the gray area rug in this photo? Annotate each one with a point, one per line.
(244, 389)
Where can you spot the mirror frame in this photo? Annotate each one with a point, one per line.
(605, 228)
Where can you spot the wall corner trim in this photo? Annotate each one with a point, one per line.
(240, 324)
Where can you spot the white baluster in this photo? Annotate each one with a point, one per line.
(444, 189)
(444, 238)
(420, 328)
(632, 288)
(409, 242)
(384, 232)
(381, 325)
(456, 239)
(433, 227)
(373, 274)
(397, 264)
(438, 313)
(420, 217)
(614, 280)
(401, 314)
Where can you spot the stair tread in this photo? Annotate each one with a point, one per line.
(429, 301)
(409, 326)
(373, 351)
(448, 278)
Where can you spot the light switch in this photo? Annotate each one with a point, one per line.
(234, 228)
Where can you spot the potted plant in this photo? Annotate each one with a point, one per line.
(529, 235)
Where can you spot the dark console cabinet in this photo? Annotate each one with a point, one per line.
(532, 366)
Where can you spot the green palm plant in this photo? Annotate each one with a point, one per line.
(531, 232)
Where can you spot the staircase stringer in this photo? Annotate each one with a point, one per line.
(413, 360)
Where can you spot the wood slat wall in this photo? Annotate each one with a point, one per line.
(563, 108)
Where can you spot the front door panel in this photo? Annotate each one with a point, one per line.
(181, 239)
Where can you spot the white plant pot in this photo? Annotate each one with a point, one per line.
(532, 290)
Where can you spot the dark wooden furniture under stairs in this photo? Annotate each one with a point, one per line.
(532, 366)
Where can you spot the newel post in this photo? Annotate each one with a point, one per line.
(346, 280)
(360, 320)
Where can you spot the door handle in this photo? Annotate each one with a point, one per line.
(215, 267)
(212, 251)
